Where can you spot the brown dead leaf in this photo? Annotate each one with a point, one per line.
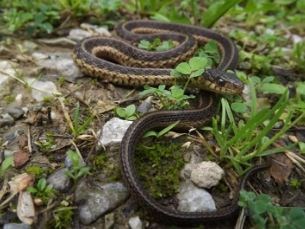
(281, 168)
(20, 158)
(20, 182)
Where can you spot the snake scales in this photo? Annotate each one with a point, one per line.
(117, 60)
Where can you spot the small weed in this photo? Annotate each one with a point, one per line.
(80, 125)
(6, 164)
(295, 183)
(35, 170)
(78, 169)
(128, 113)
(298, 55)
(155, 167)
(9, 99)
(156, 45)
(42, 190)
(47, 144)
(210, 52)
(62, 217)
(265, 214)
(170, 99)
(61, 81)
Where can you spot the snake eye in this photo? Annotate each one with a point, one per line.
(221, 82)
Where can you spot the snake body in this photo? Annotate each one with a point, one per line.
(117, 60)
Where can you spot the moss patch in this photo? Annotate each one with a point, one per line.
(159, 167)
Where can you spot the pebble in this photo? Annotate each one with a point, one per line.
(194, 199)
(59, 180)
(7, 68)
(16, 226)
(42, 89)
(135, 223)
(207, 174)
(15, 112)
(78, 34)
(145, 106)
(113, 131)
(96, 199)
(6, 120)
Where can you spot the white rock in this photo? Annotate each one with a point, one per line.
(207, 174)
(194, 199)
(135, 223)
(187, 170)
(6, 67)
(42, 89)
(25, 208)
(102, 31)
(113, 131)
(60, 62)
(78, 34)
(296, 38)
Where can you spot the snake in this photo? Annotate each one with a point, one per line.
(118, 60)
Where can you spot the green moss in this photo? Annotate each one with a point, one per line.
(35, 170)
(102, 164)
(156, 168)
(9, 99)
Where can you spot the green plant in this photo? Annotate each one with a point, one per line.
(298, 55)
(34, 16)
(62, 217)
(240, 143)
(295, 183)
(216, 11)
(5, 165)
(128, 113)
(42, 190)
(174, 98)
(75, 7)
(47, 144)
(80, 125)
(265, 214)
(35, 170)
(210, 52)
(156, 45)
(77, 169)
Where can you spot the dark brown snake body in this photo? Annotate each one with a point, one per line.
(132, 66)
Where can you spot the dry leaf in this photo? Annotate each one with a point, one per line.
(281, 168)
(20, 158)
(25, 208)
(20, 182)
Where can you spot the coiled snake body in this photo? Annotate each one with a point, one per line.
(118, 61)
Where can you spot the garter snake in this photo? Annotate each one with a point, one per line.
(117, 60)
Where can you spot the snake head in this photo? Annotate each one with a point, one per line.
(224, 82)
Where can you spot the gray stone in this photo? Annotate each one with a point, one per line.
(96, 199)
(113, 131)
(42, 89)
(207, 174)
(8, 68)
(16, 226)
(135, 223)
(15, 112)
(60, 62)
(59, 180)
(194, 199)
(145, 106)
(6, 120)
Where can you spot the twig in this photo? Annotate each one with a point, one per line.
(29, 140)
(67, 116)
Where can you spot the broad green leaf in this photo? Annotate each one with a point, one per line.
(130, 110)
(239, 107)
(121, 112)
(197, 63)
(216, 10)
(197, 73)
(302, 147)
(273, 88)
(300, 88)
(268, 79)
(6, 164)
(184, 68)
(177, 92)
